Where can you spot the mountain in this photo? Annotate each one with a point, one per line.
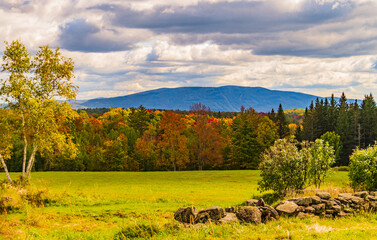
(226, 98)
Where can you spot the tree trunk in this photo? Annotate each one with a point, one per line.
(6, 170)
(31, 161)
(25, 147)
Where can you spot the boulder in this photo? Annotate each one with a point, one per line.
(186, 215)
(302, 215)
(345, 195)
(286, 208)
(261, 203)
(336, 208)
(316, 200)
(323, 195)
(373, 194)
(215, 213)
(319, 208)
(229, 218)
(202, 217)
(309, 210)
(302, 201)
(252, 202)
(230, 209)
(363, 194)
(268, 213)
(249, 214)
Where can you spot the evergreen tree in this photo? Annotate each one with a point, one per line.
(343, 129)
(283, 129)
(368, 121)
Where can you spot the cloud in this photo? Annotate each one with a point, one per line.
(80, 35)
(122, 47)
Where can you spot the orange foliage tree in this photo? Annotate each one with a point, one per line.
(172, 144)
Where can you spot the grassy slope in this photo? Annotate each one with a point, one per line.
(96, 205)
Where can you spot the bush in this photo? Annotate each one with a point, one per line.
(321, 158)
(282, 168)
(363, 169)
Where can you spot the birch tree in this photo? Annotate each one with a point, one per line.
(30, 90)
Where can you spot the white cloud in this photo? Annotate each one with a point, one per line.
(291, 45)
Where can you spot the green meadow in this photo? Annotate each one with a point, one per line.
(133, 205)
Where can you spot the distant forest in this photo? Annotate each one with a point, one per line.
(152, 140)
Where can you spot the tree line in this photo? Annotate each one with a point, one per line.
(145, 140)
(355, 123)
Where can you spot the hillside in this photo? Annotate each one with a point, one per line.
(226, 98)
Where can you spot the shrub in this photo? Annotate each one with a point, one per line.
(363, 169)
(321, 158)
(282, 168)
(334, 140)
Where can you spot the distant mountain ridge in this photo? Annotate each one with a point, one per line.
(226, 98)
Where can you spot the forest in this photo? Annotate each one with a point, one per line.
(151, 140)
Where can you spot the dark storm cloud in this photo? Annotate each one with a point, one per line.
(225, 17)
(79, 35)
(255, 26)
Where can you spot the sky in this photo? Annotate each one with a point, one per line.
(121, 47)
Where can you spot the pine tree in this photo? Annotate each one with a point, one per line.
(368, 121)
(343, 129)
(283, 129)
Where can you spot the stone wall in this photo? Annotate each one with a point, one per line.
(257, 211)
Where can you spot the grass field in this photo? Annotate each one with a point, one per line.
(121, 205)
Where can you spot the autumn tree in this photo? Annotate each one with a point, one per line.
(30, 90)
(208, 143)
(6, 131)
(173, 142)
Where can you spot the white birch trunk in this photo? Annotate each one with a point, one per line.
(6, 170)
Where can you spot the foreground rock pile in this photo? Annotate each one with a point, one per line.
(257, 211)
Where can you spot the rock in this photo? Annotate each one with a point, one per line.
(373, 205)
(186, 215)
(316, 200)
(373, 194)
(303, 201)
(252, 202)
(363, 194)
(249, 214)
(372, 198)
(337, 208)
(329, 211)
(230, 209)
(345, 195)
(319, 208)
(323, 195)
(309, 210)
(286, 207)
(301, 215)
(229, 218)
(268, 213)
(261, 203)
(343, 214)
(202, 217)
(215, 213)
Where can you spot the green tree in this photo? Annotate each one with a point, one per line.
(283, 168)
(30, 91)
(343, 128)
(251, 135)
(321, 159)
(368, 121)
(282, 123)
(334, 141)
(363, 169)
